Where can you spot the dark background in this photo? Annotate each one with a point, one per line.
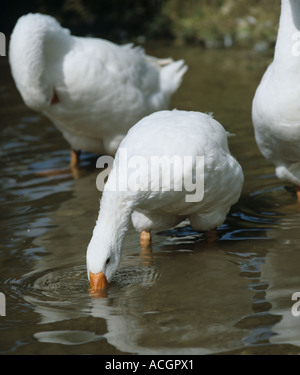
(209, 23)
(113, 19)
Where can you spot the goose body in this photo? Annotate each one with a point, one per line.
(276, 104)
(150, 205)
(91, 89)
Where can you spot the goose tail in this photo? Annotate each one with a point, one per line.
(171, 76)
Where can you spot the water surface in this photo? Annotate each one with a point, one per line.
(190, 296)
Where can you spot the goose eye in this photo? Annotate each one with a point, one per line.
(108, 260)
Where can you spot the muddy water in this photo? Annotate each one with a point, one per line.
(232, 296)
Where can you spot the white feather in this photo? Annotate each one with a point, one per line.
(276, 104)
(103, 88)
(164, 133)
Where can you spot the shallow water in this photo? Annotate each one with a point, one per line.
(192, 297)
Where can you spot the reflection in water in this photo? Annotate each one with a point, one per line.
(190, 296)
(172, 303)
(66, 337)
(179, 301)
(281, 269)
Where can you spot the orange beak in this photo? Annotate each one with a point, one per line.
(98, 281)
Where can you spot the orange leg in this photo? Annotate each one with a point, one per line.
(75, 159)
(146, 245)
(55, 98)
(211, 235)
(73, 168)
(74, 163)
(297, 187)
(145, 239)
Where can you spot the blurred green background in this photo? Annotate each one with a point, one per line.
(209, 23)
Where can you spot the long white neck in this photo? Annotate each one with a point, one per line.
(112, 224)
(36, 44)
(287, 50)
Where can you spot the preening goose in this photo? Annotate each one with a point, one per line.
(276, 104)
(171, 165)
(91, 89)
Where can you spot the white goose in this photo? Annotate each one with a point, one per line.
(91, 89)
(133, 192)
(276, 104)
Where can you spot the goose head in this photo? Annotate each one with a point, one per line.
(102, 263)
(104, 250)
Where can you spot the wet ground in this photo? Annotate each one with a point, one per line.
(190, 297)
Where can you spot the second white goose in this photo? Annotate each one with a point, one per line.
(91, 89)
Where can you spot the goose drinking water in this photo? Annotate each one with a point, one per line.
(151, 204)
